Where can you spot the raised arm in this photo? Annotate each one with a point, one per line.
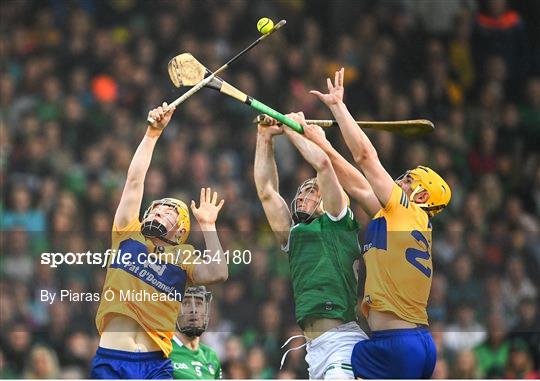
(206, 214)
(363, 152)
(130, 202)
(267, 183)
(333, 198)
(350, 178)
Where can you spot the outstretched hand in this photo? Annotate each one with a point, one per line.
(162, 116)
(335, 91)
(208, 210)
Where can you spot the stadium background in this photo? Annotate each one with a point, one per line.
(77, 79)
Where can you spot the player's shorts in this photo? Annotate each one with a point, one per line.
(395, 353)
(329, 355)
(114, 364)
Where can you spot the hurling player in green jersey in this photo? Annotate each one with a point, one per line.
(192, 360)
(319, 233)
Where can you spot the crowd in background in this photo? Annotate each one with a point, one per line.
(77, 79)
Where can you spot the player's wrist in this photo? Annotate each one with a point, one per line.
(153, 132)
(336, 106)
(266, 137)
(208, 226)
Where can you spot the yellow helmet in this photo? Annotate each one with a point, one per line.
(427, 179)
(152, 230)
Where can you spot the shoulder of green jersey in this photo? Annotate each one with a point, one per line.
(341, 215)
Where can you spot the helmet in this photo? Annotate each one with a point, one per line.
(188, 319)
(427, 179)
(154, 229)
(309, 186)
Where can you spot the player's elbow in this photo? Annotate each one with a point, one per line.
(133, 181)
(220, 275)
(265, 191)
(365, 156)
(322, 163)
(223, 276)
(207, 274)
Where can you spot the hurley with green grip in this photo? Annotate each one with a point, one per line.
(275, 114)
(185, 70)
(204, 81)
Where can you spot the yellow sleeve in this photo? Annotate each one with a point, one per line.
(187, 262)
(134, 226)
(398, 198)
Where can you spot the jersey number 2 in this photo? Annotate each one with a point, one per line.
(412, 255)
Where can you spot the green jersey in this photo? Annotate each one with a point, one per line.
(202, 364)
(321, 257)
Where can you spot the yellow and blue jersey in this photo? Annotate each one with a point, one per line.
(128, 280)
(397, 254)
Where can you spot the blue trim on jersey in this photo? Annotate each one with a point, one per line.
(404, 200)
(413, 254)
(164, 277)
(376, 234)
(115, 364)
(395, 353)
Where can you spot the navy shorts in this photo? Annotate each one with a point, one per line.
(114, 364)
(395, 353)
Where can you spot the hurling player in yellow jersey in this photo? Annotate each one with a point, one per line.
(397, 250)
(149, 272)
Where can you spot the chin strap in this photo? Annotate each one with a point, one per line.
(154, 229)
(302, 217)
(192, 331)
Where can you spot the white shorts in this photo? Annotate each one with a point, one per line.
(329, 355)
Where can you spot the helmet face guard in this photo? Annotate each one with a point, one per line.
(426, 179)
(194, 316)
(155, 229)
(307, 189)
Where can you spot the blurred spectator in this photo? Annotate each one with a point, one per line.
(466, 332)
(16, 346)
(527, 327)
(43, 363)
(500, 31)
(256, 363)
(18, 259)
(465, 287)
(520, 364)
(516, 285)
(21, 213)
(437, 309)
(492, 355)
(465, 366)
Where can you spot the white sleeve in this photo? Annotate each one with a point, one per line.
(340, 216)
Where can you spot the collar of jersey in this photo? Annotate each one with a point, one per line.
(179, 342)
